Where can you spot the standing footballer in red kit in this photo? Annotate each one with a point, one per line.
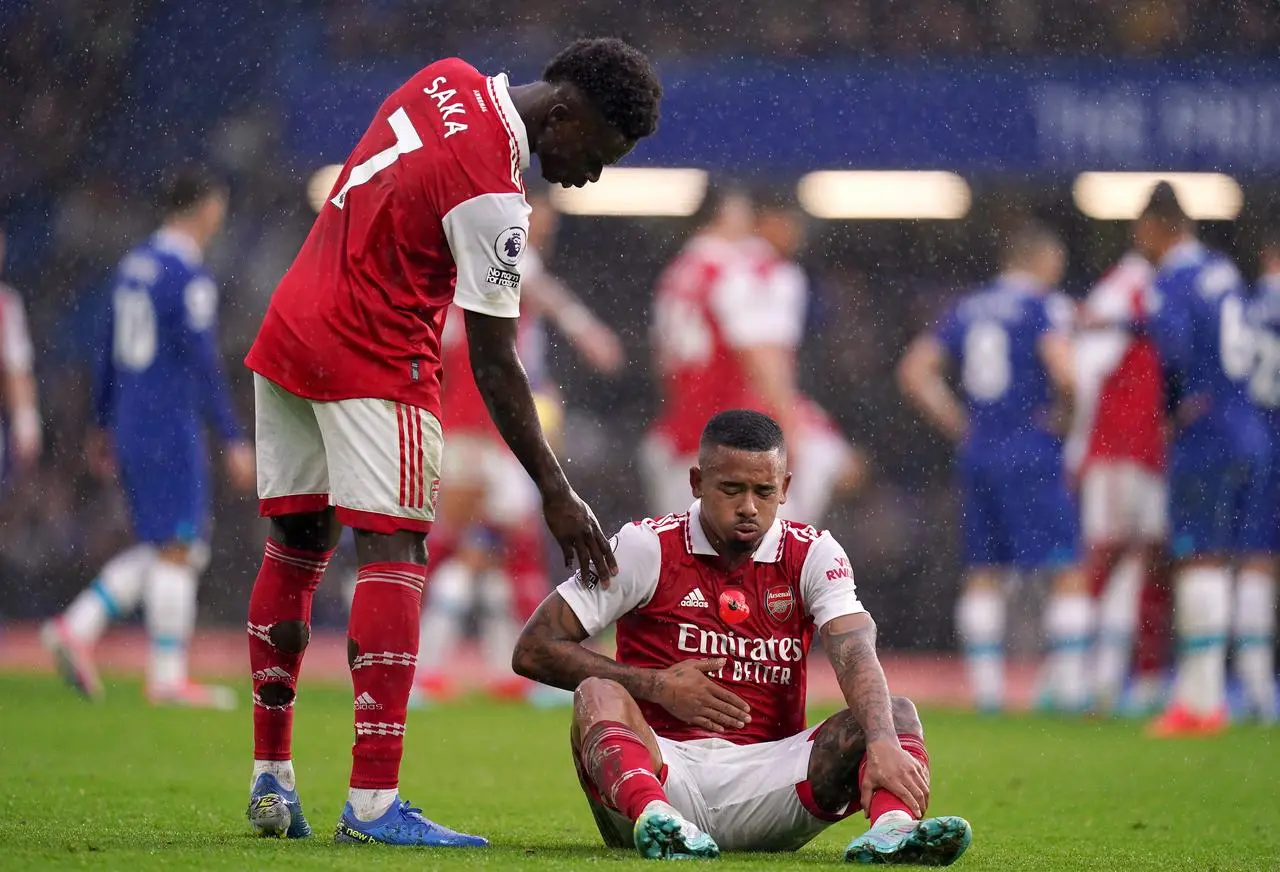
(428, 210)
(694, 740)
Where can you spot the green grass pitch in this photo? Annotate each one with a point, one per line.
(124, 786)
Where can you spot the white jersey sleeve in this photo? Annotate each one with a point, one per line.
(826, 582)
(761, 310)
(488, 235)
(15, 338)
(639, 555)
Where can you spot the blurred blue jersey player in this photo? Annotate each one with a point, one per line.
(1009, 341)
(1254, 624)
(1219, 458)
(159, 384)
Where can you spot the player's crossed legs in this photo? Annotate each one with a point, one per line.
(692, 799)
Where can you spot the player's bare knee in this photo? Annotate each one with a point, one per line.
(602, 699)
(290, 637)
(274, 694)
(906, 719)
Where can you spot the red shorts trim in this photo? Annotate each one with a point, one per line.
(376, 522)
(804, 793)
(293, 504)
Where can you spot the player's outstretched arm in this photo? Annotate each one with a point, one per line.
(850, 643)
(503, 383)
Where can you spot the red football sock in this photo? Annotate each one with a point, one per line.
(279, 629)
(1154, 633)
(621, 768)
(382, 650)
(882, 800)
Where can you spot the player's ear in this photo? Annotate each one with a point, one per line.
(786, 487)
(695, 481)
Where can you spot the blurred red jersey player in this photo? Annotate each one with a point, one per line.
(428, 210)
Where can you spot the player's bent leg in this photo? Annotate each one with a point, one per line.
(296, 554)
(115, 593)
(837, 765)
(618, 761)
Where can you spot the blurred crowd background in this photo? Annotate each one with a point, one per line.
(98, 96)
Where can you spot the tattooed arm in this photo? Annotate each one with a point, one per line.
(850, 643)
(550, 650)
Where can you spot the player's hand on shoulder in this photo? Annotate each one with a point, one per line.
(575, 527)
(241, 470)
(685, 690)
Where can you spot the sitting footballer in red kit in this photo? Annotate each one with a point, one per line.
(694, 739)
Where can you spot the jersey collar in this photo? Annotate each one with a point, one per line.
(768, 551)
(511, 118)
(179, 244)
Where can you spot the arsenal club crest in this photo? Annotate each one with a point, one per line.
(779, 602)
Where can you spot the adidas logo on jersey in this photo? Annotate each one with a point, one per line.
(366, 703)
(695, 599)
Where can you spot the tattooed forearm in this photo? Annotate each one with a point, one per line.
(851, 646)
(550, 650)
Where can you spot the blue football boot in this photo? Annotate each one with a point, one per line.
(661, 833)
(935, 841)
(274, 811)
(402, 825)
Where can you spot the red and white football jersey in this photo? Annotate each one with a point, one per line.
(428, 210)
(1119, 384)
(717, 297)
(672, 600)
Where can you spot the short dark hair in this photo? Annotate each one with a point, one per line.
(184, 186)
(742, 429)
(1164, 207)
(616, 78)
(1027, 242)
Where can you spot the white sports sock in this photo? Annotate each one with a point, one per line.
(498, 632)
(171, 618)
(448, 596)
(114, 594)
(1254, 632)
(369, 804)
(1068, 625)
(1201, 614)
(980, 619)
(1117, 619)
(892, 816)
(281, 769)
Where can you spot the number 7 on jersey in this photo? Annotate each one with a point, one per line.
(407, 140)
